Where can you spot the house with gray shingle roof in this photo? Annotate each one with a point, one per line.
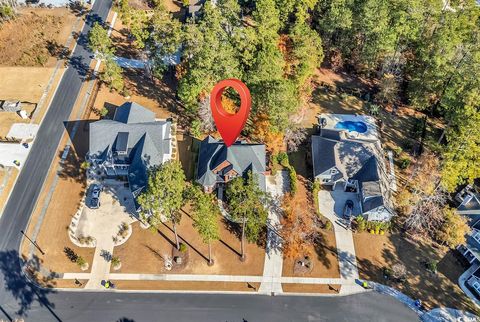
(130, 144)
(357, 166)
(218, 164)
(469, 206)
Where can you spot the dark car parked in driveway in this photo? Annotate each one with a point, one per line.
(94, 196)
(348, 209)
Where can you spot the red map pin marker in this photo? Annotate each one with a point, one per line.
(230, 125)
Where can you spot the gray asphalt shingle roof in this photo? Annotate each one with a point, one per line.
(242, 157)
(131, 112)
(355, 160)
(135, 131)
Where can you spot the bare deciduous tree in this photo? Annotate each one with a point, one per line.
(423, 201)
(399, 271)
(298, 227)
(294, 137)
(205, 115)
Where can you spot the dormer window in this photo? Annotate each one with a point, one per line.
(122, 143)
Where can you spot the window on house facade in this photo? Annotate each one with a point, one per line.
(476, 286)
(476, 236)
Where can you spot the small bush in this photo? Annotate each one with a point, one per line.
(183, 247)
(103, 112)
(6, 12)
(397, 151)
(282, 158)
(361, 223)
(432, 266)
(115, 261)
(195, 129)
(387, 272)
(274, 161)
(85, 165)
(344, 96)
(328, 225)
(405, 163)
(80, 261)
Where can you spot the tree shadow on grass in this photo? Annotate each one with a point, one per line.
(22, 290)
(434, 289)
(322, 249)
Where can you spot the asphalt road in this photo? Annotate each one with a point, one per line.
(20, 298)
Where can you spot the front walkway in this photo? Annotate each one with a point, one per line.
(272, 269)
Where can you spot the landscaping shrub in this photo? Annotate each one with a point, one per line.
(328, 225)
(123, 231)
(6, 12)
(405, 163)
(282, 158)
(80, 261)
(85, 165)
(397, 151)
(115, 261)
(195, 129)
(274, 161)
(183, 247)
(103, 112)
(387, 272)
(432, 266)
(361, 223)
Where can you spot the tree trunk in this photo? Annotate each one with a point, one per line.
(242, 244)
(210, 261)
(176, 235)
(444, 132)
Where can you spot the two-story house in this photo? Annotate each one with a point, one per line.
(130, 144)
(218, 164)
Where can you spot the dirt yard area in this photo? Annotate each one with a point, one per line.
(186, 286)
(25, 84)
(7, 179)
(374, 252)
(63, 201)
(322, 254)
(145, 250)
(33, 39)
(157, 97)
(311, 288)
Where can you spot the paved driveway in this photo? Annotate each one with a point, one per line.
(336, 201)
(330, 204)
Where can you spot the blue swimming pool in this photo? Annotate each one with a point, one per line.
(351, 126)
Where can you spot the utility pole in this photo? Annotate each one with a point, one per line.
(34, 243)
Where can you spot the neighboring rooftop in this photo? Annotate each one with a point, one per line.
(337, 157)
(132, 138)
(469, 199)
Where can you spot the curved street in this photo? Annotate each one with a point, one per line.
(19, 298)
